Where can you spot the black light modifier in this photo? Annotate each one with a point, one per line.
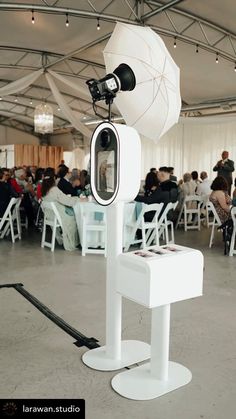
(122, 78)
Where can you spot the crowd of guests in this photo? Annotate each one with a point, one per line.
(34, 184)
(162, 186)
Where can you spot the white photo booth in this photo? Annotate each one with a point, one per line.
(150, 103)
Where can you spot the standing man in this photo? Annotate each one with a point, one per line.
(224, 168)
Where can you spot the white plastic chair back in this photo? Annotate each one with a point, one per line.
(232, 250)
(52, 219)
(192, 205)
(94, 229)
(164, 224)
(216, 220)
(148, 228)
(7, 220)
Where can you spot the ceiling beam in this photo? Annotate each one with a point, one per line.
(161, 9)
(195, 17)
(81, 49)
(50, 54)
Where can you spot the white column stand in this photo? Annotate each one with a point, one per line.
(116, 354)
(113, 299)
(159, 376)
(160, 342)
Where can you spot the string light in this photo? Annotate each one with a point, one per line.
(175, 43)
(67, 20)
(217, 58)
(98, 25)
(197, 49)
(32, 20)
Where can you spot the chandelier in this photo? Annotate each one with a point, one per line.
(43, 118)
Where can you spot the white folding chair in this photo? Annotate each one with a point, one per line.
(216, 220)
(192, 208)
(23, 218)
(7, 220)
(148, 229)
(95, 226)
(165, 224)
(232, 250)
(52, 219)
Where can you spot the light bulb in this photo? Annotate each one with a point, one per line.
(197, 48)
(175, 43)
(32, 20)
(98, 25)
(235, 67)
(67, 20)
(31, 102)
(217, 58)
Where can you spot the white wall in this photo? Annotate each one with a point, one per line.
(7, 156)
(63, 140)
(13, 136)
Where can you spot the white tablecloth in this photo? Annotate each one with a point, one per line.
(93, 236)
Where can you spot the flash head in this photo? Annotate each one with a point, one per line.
(122, 78)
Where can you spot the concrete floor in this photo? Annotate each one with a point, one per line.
(38, 360)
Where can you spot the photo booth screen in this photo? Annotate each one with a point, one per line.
(106, 171)
(106, 163)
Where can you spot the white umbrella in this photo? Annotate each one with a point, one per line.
(153, 107)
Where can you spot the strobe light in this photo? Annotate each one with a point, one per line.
(122, 78)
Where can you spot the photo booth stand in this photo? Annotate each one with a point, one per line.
(155, 278)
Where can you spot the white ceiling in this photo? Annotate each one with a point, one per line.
(204, 84)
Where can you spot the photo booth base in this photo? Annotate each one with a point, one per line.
(139, 384)
(132, 351)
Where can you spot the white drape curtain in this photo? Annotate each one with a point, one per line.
(192, 144)
(75, 159)
(69, 114)
(69, 83)
(21, 84)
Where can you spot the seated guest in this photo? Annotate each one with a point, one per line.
(84, 188)
(6, 191)
(234, 192)
(151, 182)
(84, 178)
(195, 179)
(75, 182)
(75, 172)
(173, 178)
(187, 187)
(51, 193)
(64, 183)
(204, 188)
(220, 198)
(166, 192)
(24, 188)
(38, 182)
(49, 171)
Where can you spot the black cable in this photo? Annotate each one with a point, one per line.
(81, 339)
